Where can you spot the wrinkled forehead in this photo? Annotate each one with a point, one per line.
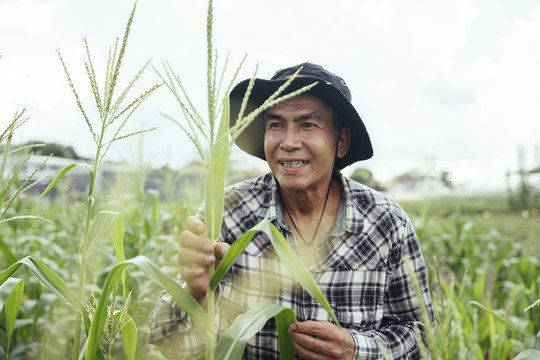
(317, 101)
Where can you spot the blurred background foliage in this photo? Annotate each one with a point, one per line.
(482, 254)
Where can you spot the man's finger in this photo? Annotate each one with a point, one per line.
(221, 249)
(307, 349)
(321, 340)
(191, 272)
(190, 240)
(321, 329)
(188, 256)
(195, 225)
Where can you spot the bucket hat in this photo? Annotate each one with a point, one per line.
(330, 88)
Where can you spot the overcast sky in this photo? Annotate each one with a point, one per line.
(457, 82)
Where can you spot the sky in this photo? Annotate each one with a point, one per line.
(447, 85)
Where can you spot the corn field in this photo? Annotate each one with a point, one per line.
(483, 276)
(81, 271)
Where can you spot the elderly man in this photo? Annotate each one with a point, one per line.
(354, 240)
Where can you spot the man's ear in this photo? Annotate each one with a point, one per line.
(344, 141)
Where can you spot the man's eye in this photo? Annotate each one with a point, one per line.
(274, 125)
(309, 124)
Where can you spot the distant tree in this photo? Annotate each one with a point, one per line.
(53, 148)
(363, 176)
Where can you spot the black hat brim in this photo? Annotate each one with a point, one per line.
(252, 138)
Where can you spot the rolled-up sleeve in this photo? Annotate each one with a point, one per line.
(172, 330)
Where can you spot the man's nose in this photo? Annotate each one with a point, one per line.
(291, 140)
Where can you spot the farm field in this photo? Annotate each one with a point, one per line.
(81, 268)
(482, 258)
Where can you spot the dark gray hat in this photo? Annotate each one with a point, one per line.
(330, 88)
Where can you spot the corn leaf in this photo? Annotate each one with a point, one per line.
(52, 281)
(11, 306)
(287, 256)
(296, 268)
(152, 271)
(8, 254)
(215, 181)
(47, 277)
(529, 354)
(61, 175)
(6, 288)
(233, 341)
(150, 202)
(100, 228)
(25, 217)
(117, 238)
(129, 335)
(283, 320)
(498, 317)
(230, 257)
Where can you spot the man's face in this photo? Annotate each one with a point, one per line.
(300, 143)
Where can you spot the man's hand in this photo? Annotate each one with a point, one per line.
(195, 257)
(321, 340)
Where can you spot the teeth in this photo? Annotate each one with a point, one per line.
(293, 163)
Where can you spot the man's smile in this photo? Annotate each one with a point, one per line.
(293, 164)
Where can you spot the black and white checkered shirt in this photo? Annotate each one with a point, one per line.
(359, 267)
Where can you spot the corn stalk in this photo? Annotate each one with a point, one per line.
(220, 139)
(112, 111)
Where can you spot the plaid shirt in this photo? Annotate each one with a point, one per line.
(359, 267)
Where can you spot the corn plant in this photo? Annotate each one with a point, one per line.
(112, 111)
(215, 131)
(487, 312)
(8, 181)
(11, 291)
(220, 138)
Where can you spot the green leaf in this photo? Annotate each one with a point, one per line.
(152, 271)
(150, 202)
(11, 306)
(296, 268)
(8, 254)
(215, 181)
(287, 256)
(232, 254)
(61, 175)
(52, 281)
(6, 274)
(26, 217)
(129, 335)
(283, 320)
(498, 317)
(529, 354)
(233, 341)
(5, 289)
(100, 228)
(117, 238)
